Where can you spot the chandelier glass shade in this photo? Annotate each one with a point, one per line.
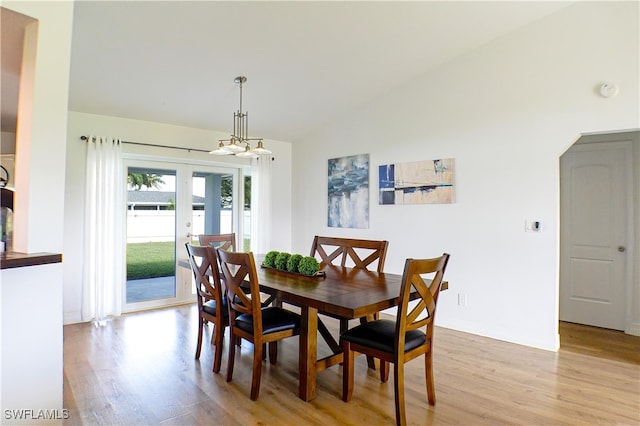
(240, 143)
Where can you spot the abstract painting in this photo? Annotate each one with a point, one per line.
(418, 182)
(348, 192)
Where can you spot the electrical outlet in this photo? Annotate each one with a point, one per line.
(462, 299)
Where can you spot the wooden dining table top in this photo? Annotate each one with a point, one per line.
(343, 291)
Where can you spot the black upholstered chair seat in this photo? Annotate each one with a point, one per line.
(210, 307)
(381, 334)
(273, 320)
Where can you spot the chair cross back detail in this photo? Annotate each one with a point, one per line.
(224, 241)
(206, 273)
(234, 278)
(332, 248)
(412, 319)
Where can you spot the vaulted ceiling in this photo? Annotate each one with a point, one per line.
(307, 63)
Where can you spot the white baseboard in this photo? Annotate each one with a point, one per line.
(72, 317)
(633, 329)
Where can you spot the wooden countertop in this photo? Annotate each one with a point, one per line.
(12, 259)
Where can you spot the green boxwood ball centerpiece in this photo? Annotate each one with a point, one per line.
(294, 261)
(270, 259)
(308, 265)
(281, 261)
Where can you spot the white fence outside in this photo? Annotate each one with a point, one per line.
(159, 225)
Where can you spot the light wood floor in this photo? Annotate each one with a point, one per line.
(140, 370)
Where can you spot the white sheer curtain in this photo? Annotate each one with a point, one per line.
(104, 254)
(261, 204)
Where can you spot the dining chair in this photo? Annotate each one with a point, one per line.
(248, 318)
(212, 305)
(355, 253)
(351, 252)
(401, 340)
(226, 242)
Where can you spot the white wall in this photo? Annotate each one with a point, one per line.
(153, 133)
(34, 379)
(505, 112)
(32, 363)
(41, 133)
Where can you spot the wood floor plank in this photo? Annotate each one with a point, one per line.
(140, 370)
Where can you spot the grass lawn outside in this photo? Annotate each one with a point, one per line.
(155, 259)
(150, 260)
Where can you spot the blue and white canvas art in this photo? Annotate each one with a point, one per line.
(418, 182)
(348, 192)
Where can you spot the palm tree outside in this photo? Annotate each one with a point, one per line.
(150, 180)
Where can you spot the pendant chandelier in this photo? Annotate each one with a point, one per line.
(239, 144)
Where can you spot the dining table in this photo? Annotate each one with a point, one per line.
(339, 291)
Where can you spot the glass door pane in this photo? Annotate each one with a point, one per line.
(151, 235)
(246, 212)
(212, 203)
(170, 204)
(212, 207)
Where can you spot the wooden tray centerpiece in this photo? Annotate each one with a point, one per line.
(294, 264)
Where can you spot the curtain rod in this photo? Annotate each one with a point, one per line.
(86, 138)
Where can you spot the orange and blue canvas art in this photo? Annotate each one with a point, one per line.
(417, 182)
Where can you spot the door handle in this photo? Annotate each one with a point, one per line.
(622, 249)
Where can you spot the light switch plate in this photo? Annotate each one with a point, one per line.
(532, 226)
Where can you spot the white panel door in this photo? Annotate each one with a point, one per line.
(595, 191)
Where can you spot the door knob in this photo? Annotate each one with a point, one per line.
(621, 249)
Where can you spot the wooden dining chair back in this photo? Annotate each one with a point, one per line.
(248, 318)
(223, 241)
(226, 242)
(404, 339)
(355, 253)
(212, 306)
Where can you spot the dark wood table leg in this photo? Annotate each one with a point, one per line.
(308, 353)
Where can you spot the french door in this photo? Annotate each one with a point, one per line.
(168, 205)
